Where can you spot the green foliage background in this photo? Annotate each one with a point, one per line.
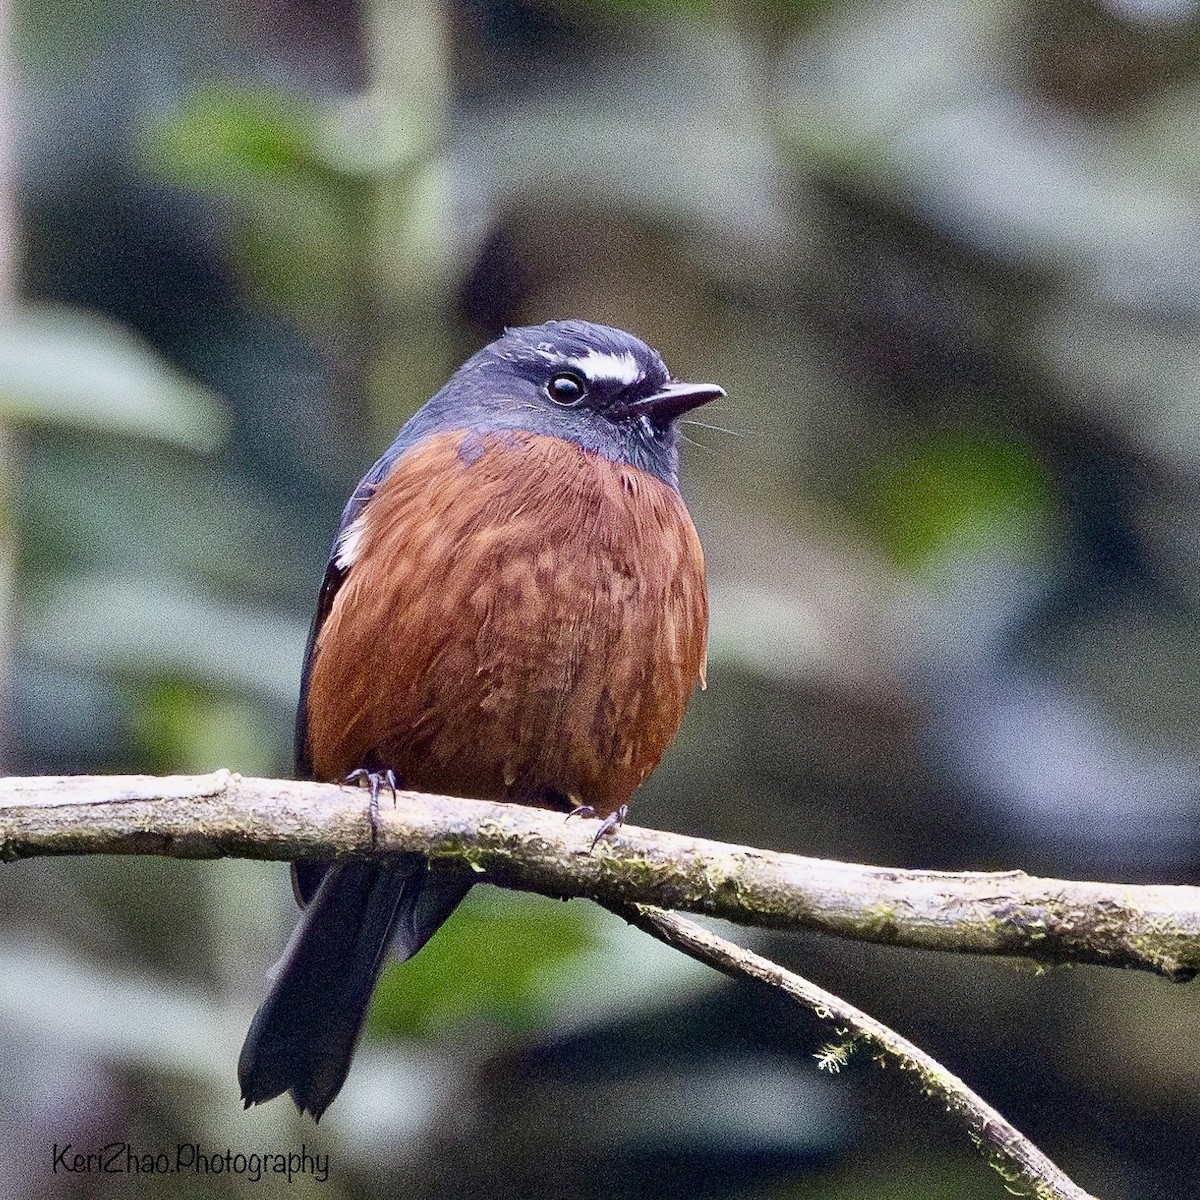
(943, 257)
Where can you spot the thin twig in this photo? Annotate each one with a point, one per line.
(1024, 1168)
(1149, 927)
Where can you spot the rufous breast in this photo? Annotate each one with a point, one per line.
(521, 619)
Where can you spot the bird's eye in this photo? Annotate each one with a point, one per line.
(566, 389)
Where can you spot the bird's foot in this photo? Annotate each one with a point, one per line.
(580, 810)
(376, 781)
(611, 824)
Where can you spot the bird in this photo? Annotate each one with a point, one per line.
(514, 609)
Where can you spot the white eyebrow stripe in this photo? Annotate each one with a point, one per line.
(598, 364)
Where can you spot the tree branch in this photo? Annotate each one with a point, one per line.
(1149, 927)
(1024, 1168)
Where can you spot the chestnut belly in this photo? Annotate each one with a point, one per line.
(524, 621)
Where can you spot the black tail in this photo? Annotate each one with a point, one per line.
(303, 1036)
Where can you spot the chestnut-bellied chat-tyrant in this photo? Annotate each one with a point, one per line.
(514, 609)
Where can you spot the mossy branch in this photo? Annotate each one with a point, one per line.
(633, 872)
(1148, 927)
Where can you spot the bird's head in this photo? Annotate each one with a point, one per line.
(601, 388)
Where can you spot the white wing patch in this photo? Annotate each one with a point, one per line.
(348, 544)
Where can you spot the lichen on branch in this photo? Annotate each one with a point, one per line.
(1148, 927)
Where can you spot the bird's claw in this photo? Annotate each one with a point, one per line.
(611, 824)
(580, 810)
(376, 781)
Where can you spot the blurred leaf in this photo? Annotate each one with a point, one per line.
(266, 151)
(144, 627)
(223, 136)
(525, 961)
(228, 136)
(137, 509)
(61, 367)
(495, 959)
(959, 494)
(307, 180)
(184, 728)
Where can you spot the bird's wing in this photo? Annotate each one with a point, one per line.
(307, 875)
(336, 570)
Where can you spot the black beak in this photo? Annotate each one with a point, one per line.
(674, 399)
